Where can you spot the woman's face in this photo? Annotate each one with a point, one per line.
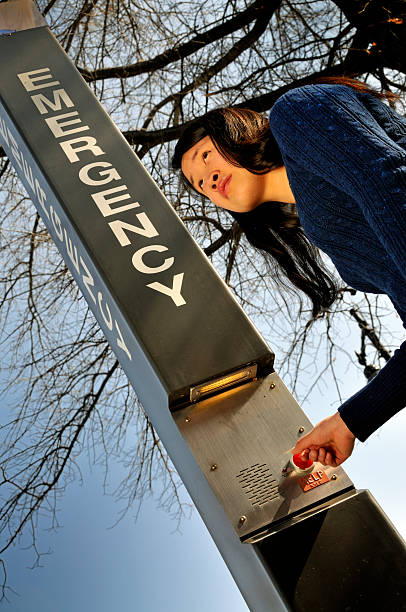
(227, 186)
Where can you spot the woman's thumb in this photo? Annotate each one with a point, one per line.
(302, 444)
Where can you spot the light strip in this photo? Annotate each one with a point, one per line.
(222, 383)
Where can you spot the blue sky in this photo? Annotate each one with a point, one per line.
(142, 566)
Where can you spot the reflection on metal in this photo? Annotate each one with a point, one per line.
(346, 556)
(225, 382)
(247, 432)
(277, 528)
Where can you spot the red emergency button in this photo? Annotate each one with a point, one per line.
(300, 462)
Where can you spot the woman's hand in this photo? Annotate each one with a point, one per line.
(330, 442)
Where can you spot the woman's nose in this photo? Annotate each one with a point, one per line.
(213, 180)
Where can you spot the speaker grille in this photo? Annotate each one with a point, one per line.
(258, 483)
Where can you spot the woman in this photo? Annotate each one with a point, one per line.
(328, 171)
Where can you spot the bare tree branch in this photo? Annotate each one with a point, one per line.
(182, 51)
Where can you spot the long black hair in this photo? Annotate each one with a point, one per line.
(244, 138)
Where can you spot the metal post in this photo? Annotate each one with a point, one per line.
(16, 15)
(201, 370)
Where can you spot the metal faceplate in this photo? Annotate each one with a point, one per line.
(241, 441)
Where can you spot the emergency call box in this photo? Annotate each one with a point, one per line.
(241, 440)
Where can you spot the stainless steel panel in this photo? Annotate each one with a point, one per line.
(241, 440)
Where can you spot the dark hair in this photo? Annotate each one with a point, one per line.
(244, 138)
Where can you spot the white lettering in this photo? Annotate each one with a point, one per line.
(60, 95)
(111, 201)
(28, 173)
(121, 342)
(147, 229)
(57, 124)
(41, 197)
(56, 222)
(72, 251)
(104, 203)
(71, 151)
(111, 174)
(3, 130)
(139, 264)
(108, 321)
(14, 149)
(174, 291)
(88, 280)
(29, 79)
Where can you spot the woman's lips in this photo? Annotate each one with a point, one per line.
(224, 185)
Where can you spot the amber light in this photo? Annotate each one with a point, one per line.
(220, 384)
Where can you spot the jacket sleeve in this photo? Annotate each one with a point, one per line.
(334, 134)
(328, 129)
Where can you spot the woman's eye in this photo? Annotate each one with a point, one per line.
(205, 154)
(200, 183)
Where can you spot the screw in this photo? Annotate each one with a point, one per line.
(187, 419)
(301, 429)
(242, 521)
(334, 477)
(213, 467)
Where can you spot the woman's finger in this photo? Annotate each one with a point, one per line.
(322, 455)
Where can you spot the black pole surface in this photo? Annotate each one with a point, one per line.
(347, 557)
